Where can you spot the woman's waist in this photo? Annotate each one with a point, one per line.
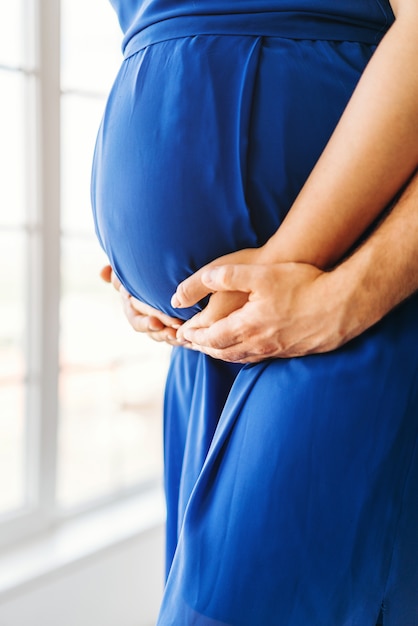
(286, 24)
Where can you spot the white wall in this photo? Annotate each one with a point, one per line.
(120, 586)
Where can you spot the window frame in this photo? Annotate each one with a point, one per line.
(41, 71)
(43, 101)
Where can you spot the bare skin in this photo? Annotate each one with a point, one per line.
(358, 173)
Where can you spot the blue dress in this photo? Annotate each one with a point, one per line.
(292, 485)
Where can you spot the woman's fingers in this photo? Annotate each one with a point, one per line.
(149, 324)
(108, 275)
(142, 317)
(146, 309)
(105, 273)
(145, 319)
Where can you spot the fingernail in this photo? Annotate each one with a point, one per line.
(175, 302)
(175, 326)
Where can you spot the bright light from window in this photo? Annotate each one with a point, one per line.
(11, 32)
(111, 379)
(13, 284)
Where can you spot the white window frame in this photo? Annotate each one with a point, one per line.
(42, 225)
(43, 175)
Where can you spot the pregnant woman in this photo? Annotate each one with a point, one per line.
(271, 131)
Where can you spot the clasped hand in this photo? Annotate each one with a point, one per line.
(256, 311)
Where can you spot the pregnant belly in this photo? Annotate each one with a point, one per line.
(204, 145)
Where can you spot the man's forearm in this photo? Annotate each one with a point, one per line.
(383, 271)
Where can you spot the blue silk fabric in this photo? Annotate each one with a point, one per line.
(292, 485)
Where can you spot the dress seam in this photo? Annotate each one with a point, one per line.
(245, 126)
(251, 36)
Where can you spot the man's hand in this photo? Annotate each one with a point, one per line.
(294, 309)
(290, 309)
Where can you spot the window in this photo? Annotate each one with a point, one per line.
(16, 220)
(80, 393)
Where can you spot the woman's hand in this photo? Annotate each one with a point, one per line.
(143, 318)
(290, 309)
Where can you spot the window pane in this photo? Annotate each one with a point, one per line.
(111, 387)
(111, 382)
(80, 122)
(11, 32)
(12, 153)
(12, 303)
(11, 447)
(91, 40)
(12, 369)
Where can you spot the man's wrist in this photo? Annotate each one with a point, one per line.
(360, 301)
